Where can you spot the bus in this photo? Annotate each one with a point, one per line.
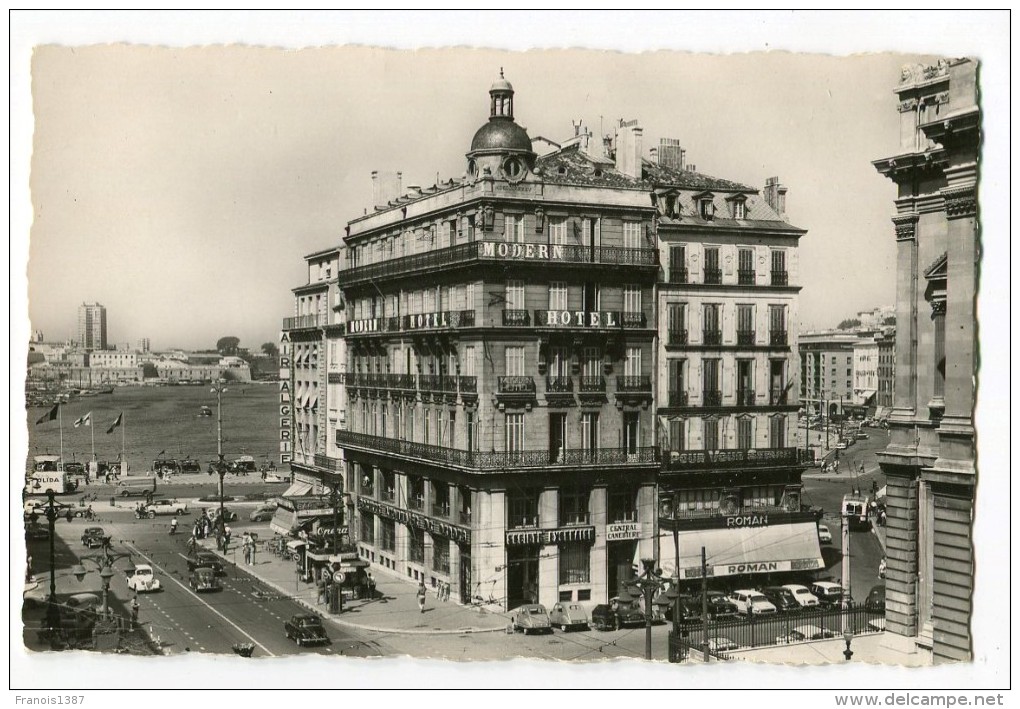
(48, 474)
(855, 510)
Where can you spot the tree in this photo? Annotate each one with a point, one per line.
(228, 376)
(891, 320)
(227, 346)
(149, 371)
(849, 324)
(270, 349)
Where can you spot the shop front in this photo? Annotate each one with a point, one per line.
(621, 554)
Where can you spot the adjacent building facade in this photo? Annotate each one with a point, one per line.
(827, 372)
(930, 462)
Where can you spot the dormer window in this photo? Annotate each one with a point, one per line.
(738, 206)
(706, 205)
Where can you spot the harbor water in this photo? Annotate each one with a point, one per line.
(163, 419)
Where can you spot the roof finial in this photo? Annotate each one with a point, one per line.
(501, 72)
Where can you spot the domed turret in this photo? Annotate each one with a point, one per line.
(501, 145)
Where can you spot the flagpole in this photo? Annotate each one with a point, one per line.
(123, 454)
(92, 429)
(60, 424)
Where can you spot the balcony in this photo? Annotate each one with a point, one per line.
(516, 318)
(303, 322)
(464, 517)
(709, 513)
(559, 385)
(389, 495)
(701, 460)
(324, 461)
(780, 278)
(745, 337)
(676, 337)
(478, 252)
(711, 337)
(522, 522)
(745, 277)
(711, 398)
(777, 397)
(496, 461)
(713, 276)
(575, 519)
(400, 381)
(416, 502)
(777, 338)
(633, 319)
(638, 383)
(592, 385)
(678, 275)
(516, 385)
(441, 510)
(678, 398)
(746, 397)
(468, 387)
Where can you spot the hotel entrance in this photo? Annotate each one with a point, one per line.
(521, 575)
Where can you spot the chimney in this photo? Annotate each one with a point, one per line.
(629, 149)
(775, 195)
(653, 155)
(385, 188)
(671, 154)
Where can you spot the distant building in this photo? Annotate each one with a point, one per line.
(142, 345)
(865, 377)
(112, 358)
(874, 319)
(827, 371)
(930, 461)
(886, 372)
(92, 326)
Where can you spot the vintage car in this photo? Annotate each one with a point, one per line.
(166, 507)
(824, 535)
(751, 602)
(720, 607)
(143, 580)
(616, 614)
(263, 514)
(306, 629)
(782, 598)
(80, 610)
(876, 598)
(568, 616)
(828, 593)
(207, 560)
(721, 644)
(93, 537)
(191, 466)
(204, 578)
(802, 595)
(243, 465)
(806, 632)
(531, 618)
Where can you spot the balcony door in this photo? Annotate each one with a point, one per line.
(590, 431)
(592, 297)
(557, 436)
(631, 432)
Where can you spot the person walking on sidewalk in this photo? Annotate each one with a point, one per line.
(421, 595)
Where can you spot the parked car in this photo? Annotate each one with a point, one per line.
(721, 644)
(862, 436)
(751, 602)
(876, 598)
(166, 507)
(806, 632)
(627, 612)
(93, 537)
(841, 446)
(191, 466)
(782, 598)
(143, 580)
(203, 578)
(720, 607)
(205, 559)
(689, 611)
(614, 615)
(824, 535)
(828, 593)
(306, 629)
(531, 618)
(80, 611)
(36, 507)
(145, 492)
(567, 616)
(262, 514)
(802, 595)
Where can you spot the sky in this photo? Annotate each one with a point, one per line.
(182, 187)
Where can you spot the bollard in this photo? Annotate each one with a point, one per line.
(113, 502)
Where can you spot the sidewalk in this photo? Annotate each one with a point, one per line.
(879, 648)
(393, 610)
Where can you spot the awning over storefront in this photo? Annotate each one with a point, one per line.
(865, 397)
(744, 550)
(297, 489)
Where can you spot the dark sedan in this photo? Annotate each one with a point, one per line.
(782, 598)
(205, 559)
(876, 599)
(719, 607)
(204, 579)
(306, 629)
(92, 537)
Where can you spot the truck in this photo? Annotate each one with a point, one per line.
(48, 474)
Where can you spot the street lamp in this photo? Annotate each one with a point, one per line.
(335, 488)
(219, 388)
(648, 583)
(848, 637)
(52, 514)
(104, 563)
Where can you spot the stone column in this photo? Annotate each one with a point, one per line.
(548, 556)
(905, 401)
(598, 562)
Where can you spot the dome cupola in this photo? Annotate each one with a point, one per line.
(501, 145)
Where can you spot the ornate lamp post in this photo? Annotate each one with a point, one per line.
(848, 637)
(104, 564)
(335, 487)
(52, 514)
(648, 583)
(219, 388)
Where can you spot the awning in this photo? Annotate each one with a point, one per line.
(297, 489)
(745, 550)
(864, 397)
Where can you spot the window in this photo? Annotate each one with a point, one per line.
(706, 208)
(389, 534)
(677, 391)
(573, 505)
(559, 361)
(739, 209)
(632, 365)
(367, 527)
(777, 432)
(514, 229)
(426, 424)
(710, 382)
(515, 295)
(777, 383)
(712, 331)
(467, 228)
(631, 235)
(745, 434)
(468, 363)
(745, 267)
(416, 545)
(676, 323)
(592, 362)
(592, 297)
(522, 509)
(574, 563)
(557, 435)
(713, 274)
(558, 231)
(383, 430)
(711, 427)
(745, 382)
(622, 504)
(514, 433)
(514, 360)
(631, 432)
(471, 431)
(441, 555)
(678, 264)
(677, 435)
(589, 430)
(591, 232)
(557, 296)
(632, 299)
(745, 324)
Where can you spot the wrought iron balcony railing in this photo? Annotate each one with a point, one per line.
(711, 337)
(745, 337)
(637, 383)
(591, 385)
(467, 384)
(678, 398)
(516, 318)
(464, 517)
(516, 385)
(746, 397)
(400, 381)
(745, 277)
(574, 519)
(676, 337)
(711, 398)
(678, 275)
(778, 338)
(497, 460)
(713, 276)
(633, 319)
(559, 385)
(780, 278)
(302, 322)
(777, 397)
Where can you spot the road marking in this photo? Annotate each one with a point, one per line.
(200, 600)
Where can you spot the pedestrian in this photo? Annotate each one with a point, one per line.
(134, 612)
(69, 516)
(226, 538)
(421, 595)
(28, 569)
(881, 568)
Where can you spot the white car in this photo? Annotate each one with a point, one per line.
(802, 595)
(841, 446)
(824, 535)
(166, 507)
(750, 602)
(143, 580)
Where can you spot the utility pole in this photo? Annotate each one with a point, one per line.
(704, 602)
(219, 389)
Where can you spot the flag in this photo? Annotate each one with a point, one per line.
(161, 453)
(115, 423)
(50, 415)
(85, 420)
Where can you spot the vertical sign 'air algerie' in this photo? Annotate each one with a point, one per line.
(285, 406)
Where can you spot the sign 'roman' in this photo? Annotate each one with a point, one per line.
(521, 252)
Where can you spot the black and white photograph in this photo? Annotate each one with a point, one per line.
(441, 349)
